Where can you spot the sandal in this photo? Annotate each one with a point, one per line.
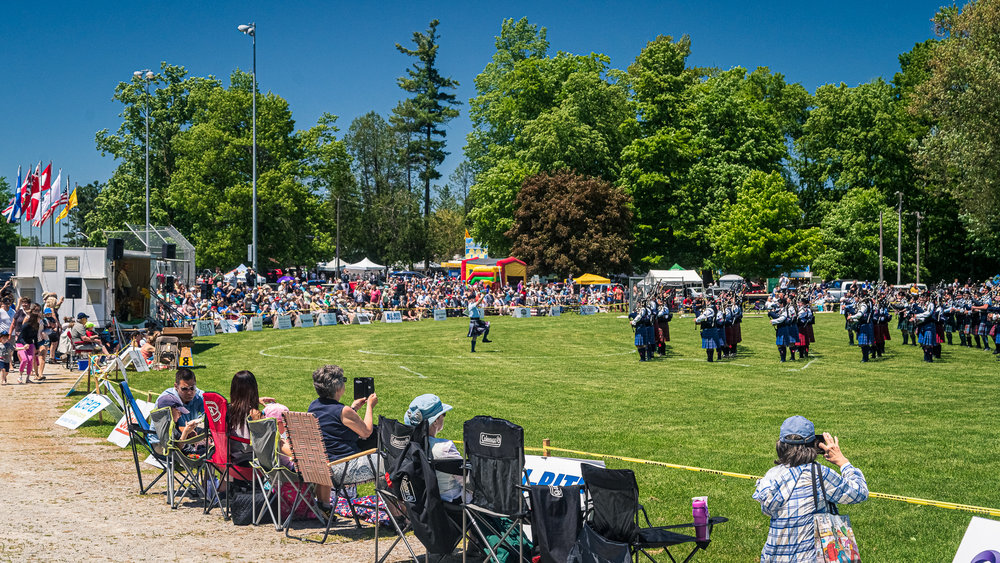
(40, 378)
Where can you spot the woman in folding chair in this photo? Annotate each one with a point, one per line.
(342, 429)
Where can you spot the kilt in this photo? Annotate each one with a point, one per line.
(782, 337)
(720, 337)
(793, 334)
(966, 327)
(866, 334)
(477, 327)
(904, 326)
(708, 341)
(939, 328)
(731, 335)
(983, 330)
(644, 335)
(949, 325)
(662, 331)
(806, 335)
(881, 332)
(927, 335)
(739, 332)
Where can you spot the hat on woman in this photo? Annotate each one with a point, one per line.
(797, 426)
(425, 407)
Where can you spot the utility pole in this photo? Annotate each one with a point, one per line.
(899, 241)
(338, 240)
(881, 254)
(919, 218)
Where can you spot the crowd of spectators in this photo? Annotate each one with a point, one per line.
(414, 297)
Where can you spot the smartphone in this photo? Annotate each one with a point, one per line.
(363, 387)
(819, 437)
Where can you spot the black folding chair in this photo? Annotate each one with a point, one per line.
(494, 454)
(613, 512)
(393, 438)
(556, 519)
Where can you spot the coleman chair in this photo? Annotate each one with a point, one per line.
(556, 520)
(393, 438)
(613, 512)
(185, 463)
(311, 463)
(230, 457)
(268, 472)
(141, 434)
(494, 453)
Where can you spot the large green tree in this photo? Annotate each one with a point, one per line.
(850, 230)
(9, 239)
(760, 234)
(84, 217)
(423, 116)
(569, 224)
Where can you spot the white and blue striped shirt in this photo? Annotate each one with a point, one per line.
(786, 495)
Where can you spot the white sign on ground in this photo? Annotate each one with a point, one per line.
(306, 320)
(227, 326)
(555, 311)
(119, 434)
(256, 323)
(362, 319)
(392, 317)
(440, 314)
(83, 410)
(522, 313)
(327, 319)
(588, 310)
(980, 543)
(138, 362)
(282, 322)
(205, 328)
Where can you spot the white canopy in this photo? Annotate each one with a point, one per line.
(686, 277)
(731, 277)
(364, 265)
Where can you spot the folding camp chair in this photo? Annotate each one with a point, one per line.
(393, 437)
(494, 453)
(167, 351)
(268, 473)
(230, 457)
(183, 468)
(139, 433)
(613, 512)
(311, 462)
(556, 520)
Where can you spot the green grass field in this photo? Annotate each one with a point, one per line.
(918, 430)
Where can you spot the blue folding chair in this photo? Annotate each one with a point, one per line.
(141, 434)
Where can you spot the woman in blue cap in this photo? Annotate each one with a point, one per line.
(785, 492)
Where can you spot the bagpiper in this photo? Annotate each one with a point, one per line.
(923, 316)
(782, 317)
(662, 317)
(706, 321)
(863, 317)
(641, 320)
(806, 321)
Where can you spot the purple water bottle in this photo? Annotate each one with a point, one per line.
(699, 509)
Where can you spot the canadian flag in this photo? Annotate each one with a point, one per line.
(41, 183)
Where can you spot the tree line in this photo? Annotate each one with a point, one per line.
(576, 166)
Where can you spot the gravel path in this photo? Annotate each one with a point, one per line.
(71, 497)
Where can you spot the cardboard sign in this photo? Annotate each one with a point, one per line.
(283, 322)
(392, 317)
(555, 311)
(306, 320)
(228, 327)
(327, 319)
(83, 410)
(256, 323)
(204, 328)
(440, 315)
(119, 434)
(981, 538)
(522, 313)
(186, 360)
(362, 319)
(138, 362)
(588, 310)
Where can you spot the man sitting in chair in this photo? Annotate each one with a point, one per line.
(186, 390)
(82, 341)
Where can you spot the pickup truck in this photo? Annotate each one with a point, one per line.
(837, 288)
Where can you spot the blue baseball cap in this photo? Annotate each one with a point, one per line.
(797, 426)
(171, 400)
(425, 407)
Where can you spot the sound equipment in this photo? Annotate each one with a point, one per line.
(706, 276)
(116, 248)
(74, 288)
(168, 285)
(169, 251)
(206, 291)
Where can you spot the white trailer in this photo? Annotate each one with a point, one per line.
(41, 269)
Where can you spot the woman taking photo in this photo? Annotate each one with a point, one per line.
(785, 492)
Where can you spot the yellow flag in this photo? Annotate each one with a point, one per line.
(69, 205)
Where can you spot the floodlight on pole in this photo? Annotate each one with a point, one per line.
(147, 75)
(251, 30)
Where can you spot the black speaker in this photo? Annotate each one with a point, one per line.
(706, 276)
(168, 285)
(169, 251)
(74, 288)
(116, 248)
(206, 291)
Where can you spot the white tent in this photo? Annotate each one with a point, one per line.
(364, 265)
(682, 277)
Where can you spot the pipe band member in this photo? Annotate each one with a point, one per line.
(477, 326)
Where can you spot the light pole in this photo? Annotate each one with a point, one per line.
(919, 218)
(251, 30)
(147, 75)
(899, 240)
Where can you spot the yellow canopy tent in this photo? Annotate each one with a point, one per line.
(588, 279)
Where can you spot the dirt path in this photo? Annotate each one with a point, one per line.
(70, 497)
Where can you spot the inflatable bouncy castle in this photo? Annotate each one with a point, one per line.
(505, 271)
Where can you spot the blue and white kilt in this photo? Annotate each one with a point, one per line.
(983, 330)
(645, 336)
(793, 334)
(927, 335)
(720, 337)
(708, 339)
(866, 334)
(782, 337)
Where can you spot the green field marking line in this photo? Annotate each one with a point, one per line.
(884, 496)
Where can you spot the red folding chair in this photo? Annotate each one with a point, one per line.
(231, 466)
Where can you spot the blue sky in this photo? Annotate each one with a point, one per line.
(61, 63)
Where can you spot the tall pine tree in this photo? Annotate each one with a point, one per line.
(423, 116)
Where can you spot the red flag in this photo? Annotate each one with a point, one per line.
(35, 192)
